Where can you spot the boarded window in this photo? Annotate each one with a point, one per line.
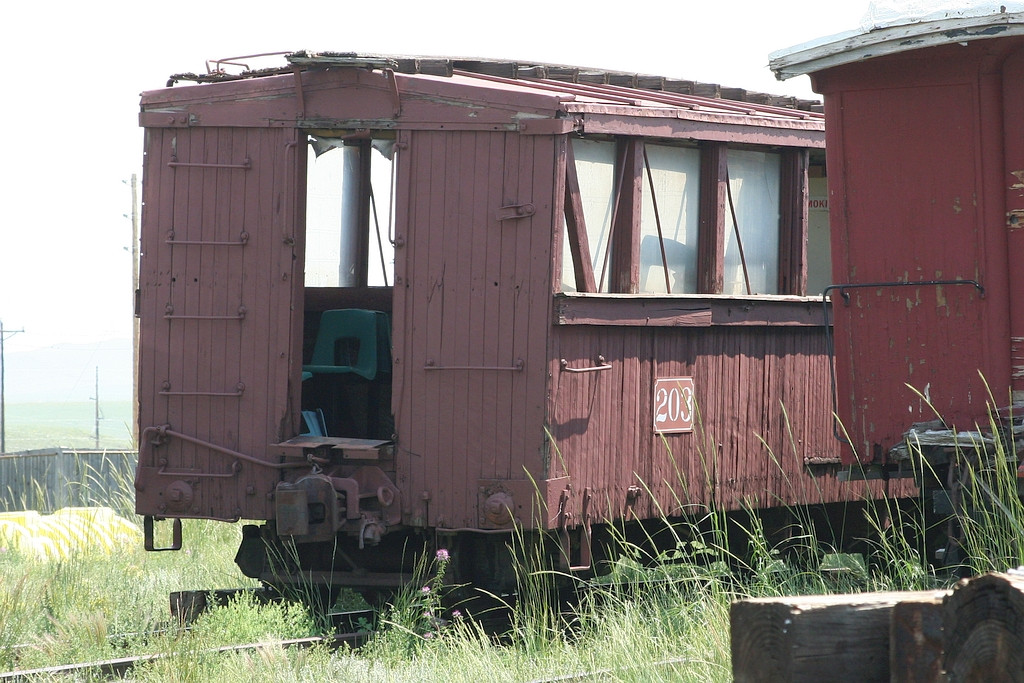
(595, 168)
(754, 186)
(675, 176)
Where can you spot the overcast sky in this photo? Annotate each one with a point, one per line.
(70, 127)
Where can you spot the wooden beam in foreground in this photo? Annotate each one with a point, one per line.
(817, 637)
(915, 638)
(983, 635)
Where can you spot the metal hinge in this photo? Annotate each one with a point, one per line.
(512, 211)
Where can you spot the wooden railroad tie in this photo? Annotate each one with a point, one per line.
(974, 632)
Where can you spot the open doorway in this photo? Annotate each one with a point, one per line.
(349, 274)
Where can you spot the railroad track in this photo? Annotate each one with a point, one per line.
(120, 666)
(186, 606)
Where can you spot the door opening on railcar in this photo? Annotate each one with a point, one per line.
(349, 275)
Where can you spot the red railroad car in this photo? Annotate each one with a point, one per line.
(926, 192)
(925, 159)
(388, 302)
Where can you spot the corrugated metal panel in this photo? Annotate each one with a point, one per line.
(218, 249)
(472, 315)
(48, 480)
(603, 421)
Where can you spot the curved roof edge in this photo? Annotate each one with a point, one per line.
(517, 70)
(892, 38)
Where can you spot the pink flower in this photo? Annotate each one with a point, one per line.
(456, 614)
(442, 555)
(428, 635)
(425, 589)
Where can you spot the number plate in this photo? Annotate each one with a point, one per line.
(673, 405)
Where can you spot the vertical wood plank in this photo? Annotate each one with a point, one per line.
(578, 239)
(711, 235)
(493, 148)
(625, 258)
(793, 222)
(431, 244)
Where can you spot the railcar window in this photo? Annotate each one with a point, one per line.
(819, 255)
(723, 220)
(595, 168)
(347, 218)
(752, 251)
(675, 175)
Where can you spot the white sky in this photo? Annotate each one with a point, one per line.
(69, 121)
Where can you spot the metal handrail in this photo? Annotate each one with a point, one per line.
(602, 365)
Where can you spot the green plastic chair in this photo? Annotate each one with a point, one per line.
(352, 340)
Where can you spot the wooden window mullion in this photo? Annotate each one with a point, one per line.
(713, 206)
(793, 222)
(576, 227)
(625, 263)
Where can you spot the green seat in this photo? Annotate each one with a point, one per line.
(352, 340)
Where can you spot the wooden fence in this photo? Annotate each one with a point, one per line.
(47, 480)
(974, 632)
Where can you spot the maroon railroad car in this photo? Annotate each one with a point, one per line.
(391, 301)
(926, 192)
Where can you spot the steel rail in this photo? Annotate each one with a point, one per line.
(120, 666)
(601, 674)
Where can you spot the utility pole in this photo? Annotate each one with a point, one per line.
(3, 425)
(97, 399)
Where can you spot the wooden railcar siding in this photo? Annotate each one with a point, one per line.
(602, 422)
(472, 313)
(917, 196)
(218, 256)
(476, 381)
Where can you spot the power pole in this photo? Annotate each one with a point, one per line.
(3, 424)
(97, 407)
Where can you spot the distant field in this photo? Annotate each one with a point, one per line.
(68, 425)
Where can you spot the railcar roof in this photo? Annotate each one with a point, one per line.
(919, 25)
(578, 88)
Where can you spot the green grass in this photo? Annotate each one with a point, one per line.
(659, 616)
(30, 426)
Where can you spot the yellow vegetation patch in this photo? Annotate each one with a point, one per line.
(66, 531)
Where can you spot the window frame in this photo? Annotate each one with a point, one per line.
(628, 192)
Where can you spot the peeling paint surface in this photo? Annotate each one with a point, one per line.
(1019, 175)
(915, 197)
